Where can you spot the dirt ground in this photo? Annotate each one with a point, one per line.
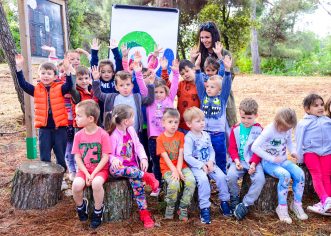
(271, 93)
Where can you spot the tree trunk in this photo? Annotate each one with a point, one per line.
(8, 46)
(268, 199)
(117, 200)
(36, 185)
(309, 190)
(68, 25)
(254, 42)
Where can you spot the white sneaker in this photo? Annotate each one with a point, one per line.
(318, 208)
(155, 193)
(72, 176)
(282, 212)
(298, 211)
(327, 205)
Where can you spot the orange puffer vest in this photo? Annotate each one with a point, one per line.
(59, 112)
(84, 95)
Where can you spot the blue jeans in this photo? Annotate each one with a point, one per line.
(284, 172)
(155, 159)
(55, 139)
(70, 158)
(218, 142)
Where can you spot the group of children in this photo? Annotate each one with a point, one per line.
(187, 146)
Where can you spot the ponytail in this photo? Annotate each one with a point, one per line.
(119, 113)
(110, 123)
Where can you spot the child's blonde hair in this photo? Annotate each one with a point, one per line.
(119, 113)
(249, 106)
(218, 79)
(122, 75)
(71, 51)
(170, 112)
(191, 113)
(286, 117)
(91, 108)
(327, 107)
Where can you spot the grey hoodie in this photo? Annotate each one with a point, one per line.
(313, 134)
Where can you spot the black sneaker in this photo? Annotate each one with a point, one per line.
(96, 218)
(225, 209)
(83, 211)
(234, 201)
(241, 211)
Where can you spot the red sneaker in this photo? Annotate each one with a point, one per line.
(145, 217)
(150, 180)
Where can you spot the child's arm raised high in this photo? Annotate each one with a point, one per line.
(26, 86)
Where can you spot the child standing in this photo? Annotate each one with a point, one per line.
(170, 147)
(271, 147)
(128, 158)
(213, 99)
(50, 113)
(313, 137)
(91, 148)
(200, 156)
(244, 160)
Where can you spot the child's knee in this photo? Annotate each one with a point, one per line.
(202, 180)
(97, 183)
(78, 185)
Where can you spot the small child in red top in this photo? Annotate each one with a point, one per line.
(170, 147)
(91, 148)
(244, 160)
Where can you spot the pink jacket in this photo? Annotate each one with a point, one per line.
(116, 142)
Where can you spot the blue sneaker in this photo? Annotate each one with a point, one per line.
(205, 215)
(234, 201)
(241, 211)
(225, 208)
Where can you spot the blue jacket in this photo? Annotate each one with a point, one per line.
(313, 134)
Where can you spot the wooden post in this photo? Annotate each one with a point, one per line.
(31, 140)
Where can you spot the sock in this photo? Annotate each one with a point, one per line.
(81, 206)
(98, 211)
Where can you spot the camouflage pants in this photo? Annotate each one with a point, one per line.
(174, 187)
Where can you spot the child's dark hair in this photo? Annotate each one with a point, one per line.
(212, 62)
(106, 62)
(309, 100)
(170, 112)
(119, 113)
(122, 75)
(82, 70)
(327, 108)
(91, 108)
(248, 106)
(48, 66)
(184, 63)
(286, 117)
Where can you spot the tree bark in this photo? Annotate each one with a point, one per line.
(117, 200)
(268, 199)
(254, 42)
(8, 46)
(37, 185)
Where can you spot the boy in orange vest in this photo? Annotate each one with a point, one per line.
(50, 113)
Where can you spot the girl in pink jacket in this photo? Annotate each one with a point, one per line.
(128, 158)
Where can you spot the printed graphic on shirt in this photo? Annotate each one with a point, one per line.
(172, 149)
(201, 149)
(157, 118)
(127, 148)
(212, 107)
(96, 151)
(275, 147)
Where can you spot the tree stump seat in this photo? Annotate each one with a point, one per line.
(117, 200)
(36, 185)
(309, 190)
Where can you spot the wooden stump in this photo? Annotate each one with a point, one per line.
(36, 185)
(117, 200)
(309, 190)
(268, 199)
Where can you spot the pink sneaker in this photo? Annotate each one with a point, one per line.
(150, 180)
(145, 217)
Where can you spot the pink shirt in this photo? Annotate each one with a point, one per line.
(91, 147)
(156, 109)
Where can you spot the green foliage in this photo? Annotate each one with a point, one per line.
(244, 62)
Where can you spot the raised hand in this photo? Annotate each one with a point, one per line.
(194, 53)
(51, 50)
(227, 63)
(157, 51)
(113, 44)
(175, 65)
(95, 44)
(125, 50)
(198, 62)
(137, 67)
(164, 63)
(218, 50)
(19, 60)
(95, 73)
(137, 56)
(67, 67)
(82, 51)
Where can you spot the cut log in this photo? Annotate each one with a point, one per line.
(36, 185)
(117, 200)
(309, 190)
(268, 199)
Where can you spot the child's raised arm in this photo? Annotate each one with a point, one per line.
(199, 81)
(95, 46)
(26, 86)
(67, 86)
(113, 45)
(218, 50)
(175, 79)
(96, 85)
(125, 59)
(227, 81)
(137, 67)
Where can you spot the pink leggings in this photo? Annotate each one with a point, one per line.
(320, 170)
